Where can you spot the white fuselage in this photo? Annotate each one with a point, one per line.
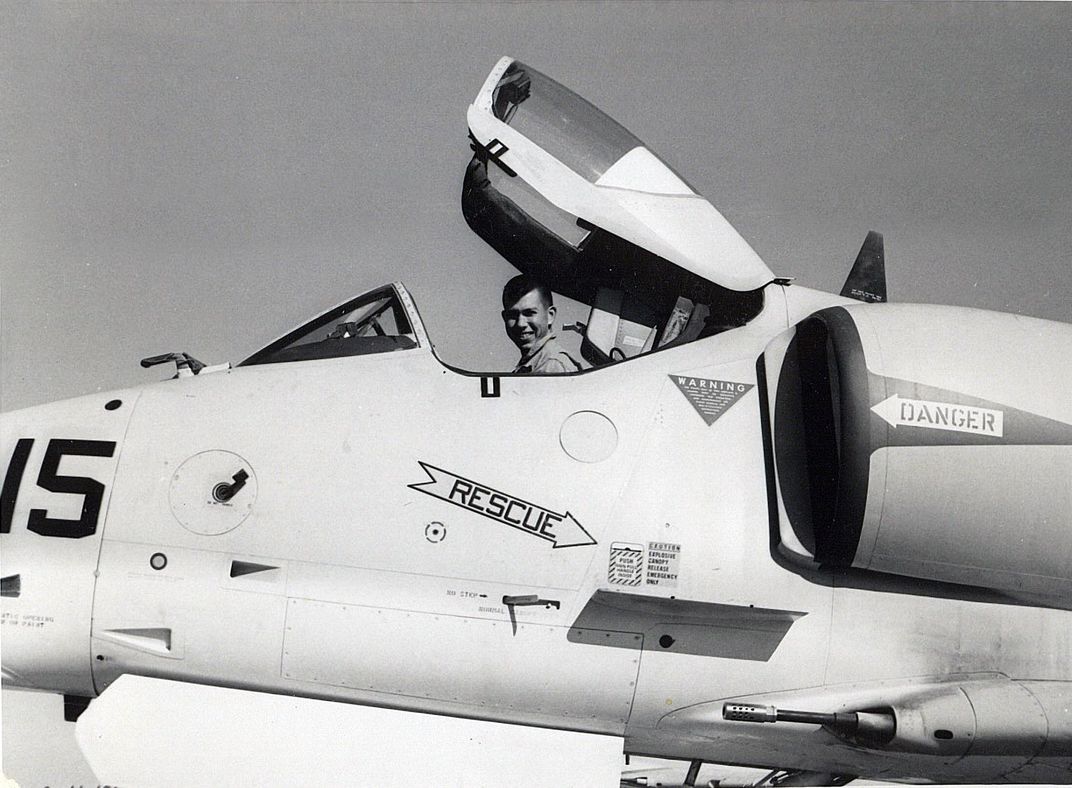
(392, 505)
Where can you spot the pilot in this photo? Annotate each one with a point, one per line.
(529, 315)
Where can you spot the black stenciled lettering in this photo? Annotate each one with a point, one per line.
(474, 498)
(12, 482)
(533, 526)
(91, 489)
(509, 508)
(458, 485)
(549, 521)
(496, 504)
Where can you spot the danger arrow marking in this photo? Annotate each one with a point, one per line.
(904, 412)
(562, 530)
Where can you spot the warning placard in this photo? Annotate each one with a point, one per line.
(711, 398)
(664, 560)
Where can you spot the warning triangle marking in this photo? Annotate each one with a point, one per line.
(711, 398)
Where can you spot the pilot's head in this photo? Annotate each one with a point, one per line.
(528, 312)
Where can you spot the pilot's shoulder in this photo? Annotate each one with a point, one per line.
(563, 363)
(553, 365)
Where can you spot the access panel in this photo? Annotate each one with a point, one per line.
(493, 668)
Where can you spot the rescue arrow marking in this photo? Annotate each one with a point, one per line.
(901, 412)
(562, 530)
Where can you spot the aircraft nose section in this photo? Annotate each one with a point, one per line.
(58, 465)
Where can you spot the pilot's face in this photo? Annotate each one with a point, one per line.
(528, 321)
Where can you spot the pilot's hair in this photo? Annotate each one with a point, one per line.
(520, 286)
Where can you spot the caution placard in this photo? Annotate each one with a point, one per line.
(653, 564)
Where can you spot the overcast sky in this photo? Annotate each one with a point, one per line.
(204, 177)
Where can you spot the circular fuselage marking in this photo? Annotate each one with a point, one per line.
(588, 436)
(193, 485)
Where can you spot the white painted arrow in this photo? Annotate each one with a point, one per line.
(888, 410)
(571, 533)
(900, 411)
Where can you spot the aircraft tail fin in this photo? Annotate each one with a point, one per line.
(867, 279)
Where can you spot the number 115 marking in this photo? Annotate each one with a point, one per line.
(91, 490)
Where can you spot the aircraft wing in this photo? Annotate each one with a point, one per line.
(156, 732)
(550, 169)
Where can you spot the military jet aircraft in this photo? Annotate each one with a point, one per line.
(768, 526)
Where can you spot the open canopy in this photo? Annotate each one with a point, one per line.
(555, 183)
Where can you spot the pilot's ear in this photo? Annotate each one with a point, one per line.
(551, 314)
